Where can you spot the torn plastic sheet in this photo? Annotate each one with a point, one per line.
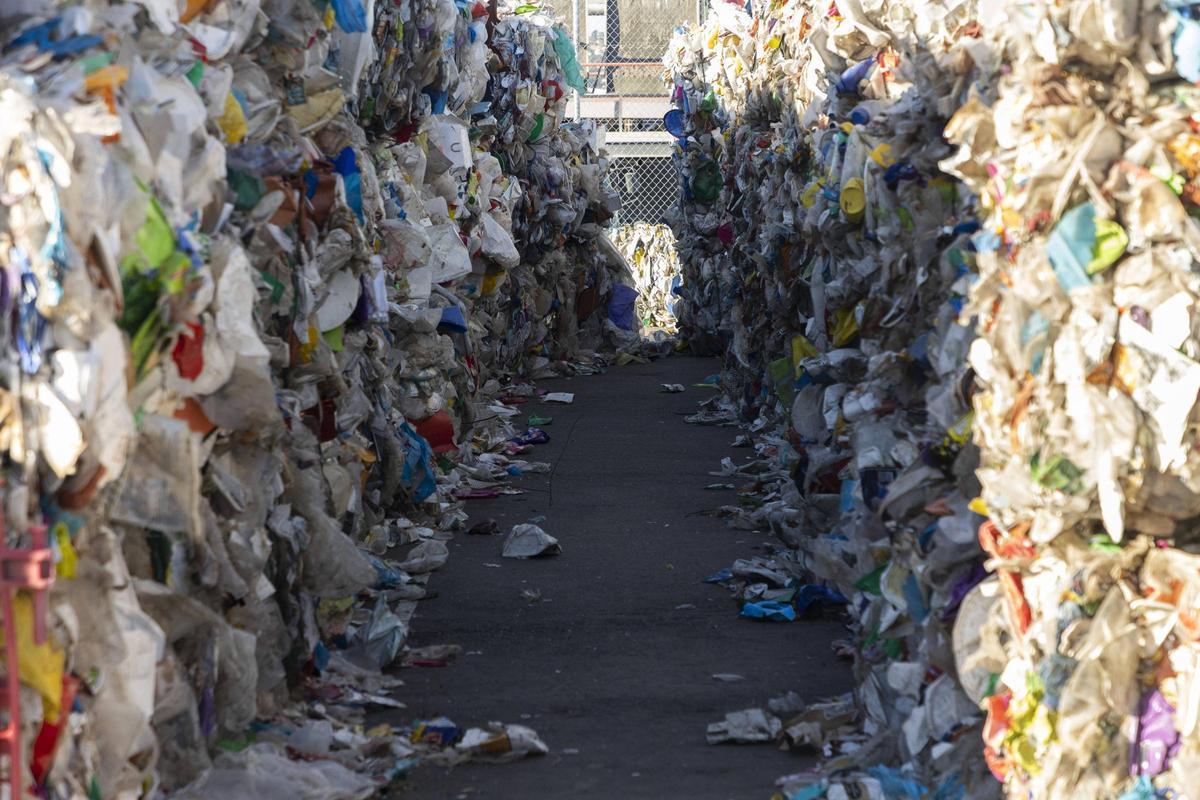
(263, 771)
(749, 726)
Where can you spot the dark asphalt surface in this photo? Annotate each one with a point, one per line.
(614, 676)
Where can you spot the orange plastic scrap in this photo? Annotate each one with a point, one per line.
(1014, 593)
(805, 26)
(105, 82)
(988, 322)
(1006, 544)
(1189, 621)
(1162, 596)
(996, 724)
(939, 508)
(1010, 545)
(195, 8)
(1019, 407)
(996, 763)
(994, 728)
(1115, 371)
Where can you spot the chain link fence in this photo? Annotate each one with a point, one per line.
(620, 46)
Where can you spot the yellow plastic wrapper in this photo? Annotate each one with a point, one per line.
(41, 665)
(233, 121)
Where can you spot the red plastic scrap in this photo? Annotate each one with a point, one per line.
(31, 569)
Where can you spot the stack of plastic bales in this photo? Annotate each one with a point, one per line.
(1010, 514)
(1082, 645)
(823, 248)
(554, 308)
(650, 252)
(247, 248)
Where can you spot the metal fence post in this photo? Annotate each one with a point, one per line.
(576, 37)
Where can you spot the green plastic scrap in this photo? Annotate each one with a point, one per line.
(538, 125)
(780, 371)
(564, 48)
(143, 342)
(335, 338)
(707, 182)
(1111, 241)
(196, 73)
(247, 189)
(154, 240)
(232, 745)
(96, 61)
(1057, 473)
(275, 284)
(1101, 541)
(870, 582)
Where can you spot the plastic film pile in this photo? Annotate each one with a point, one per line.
(949, 253)
(264, 265)
(649, 250)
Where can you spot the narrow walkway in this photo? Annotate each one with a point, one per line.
(614, 666)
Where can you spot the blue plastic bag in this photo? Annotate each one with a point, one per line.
(811, 792)
(772, 610)
(895, 785)
(1186, 41)
(674, 122)
(385, 576)
(720, 577)
(811, 594)
(346, 165)
(1070, 246)
(453, 320)
(350, 15)
(620, 307)
(417, 475)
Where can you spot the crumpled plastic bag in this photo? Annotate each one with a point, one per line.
(502, 742)
(529, 541)
(263, 772)
(749, 726)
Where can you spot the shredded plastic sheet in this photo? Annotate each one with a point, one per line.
(268, 265)
(949, 253)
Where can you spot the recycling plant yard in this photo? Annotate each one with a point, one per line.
(637, 399)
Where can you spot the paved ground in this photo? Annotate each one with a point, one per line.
(608, 668)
